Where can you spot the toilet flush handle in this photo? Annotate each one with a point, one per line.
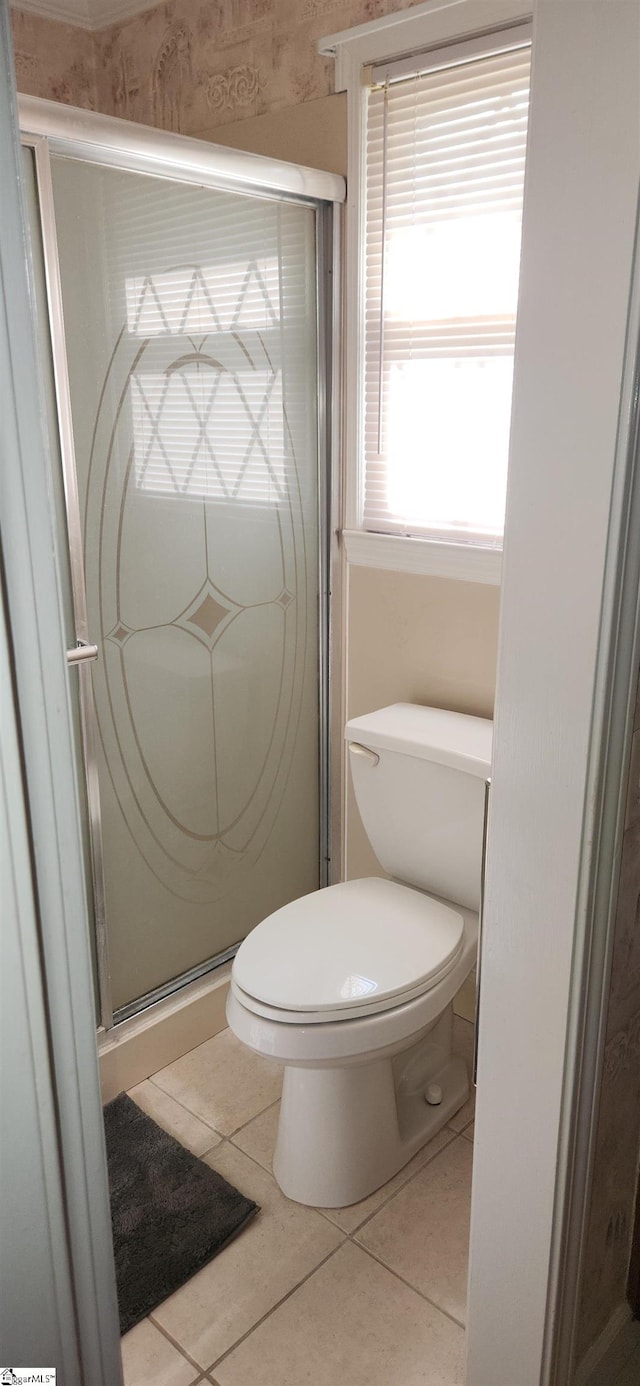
(359, 750)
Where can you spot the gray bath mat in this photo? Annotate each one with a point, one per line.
(170, 1212)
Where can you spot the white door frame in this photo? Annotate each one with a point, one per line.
(568, 607)
(56, 1070)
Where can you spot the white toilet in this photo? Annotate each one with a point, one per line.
(351, 988)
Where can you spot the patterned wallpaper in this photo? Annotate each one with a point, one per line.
(611, 1212)
(189, 65)
(54, 60)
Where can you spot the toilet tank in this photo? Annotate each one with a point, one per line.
(419, 778)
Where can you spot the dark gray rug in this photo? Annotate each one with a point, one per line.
(170, 1212)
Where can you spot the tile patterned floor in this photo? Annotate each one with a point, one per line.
(359, 1296)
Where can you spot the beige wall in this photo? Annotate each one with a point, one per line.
(615, 1173)
(55, 61)
(315, 134)
(415, 639)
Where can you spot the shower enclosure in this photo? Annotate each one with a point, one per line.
(185, 311)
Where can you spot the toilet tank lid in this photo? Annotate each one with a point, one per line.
(430, 733)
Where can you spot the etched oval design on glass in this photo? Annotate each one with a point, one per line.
(197, 696)
(191, 327)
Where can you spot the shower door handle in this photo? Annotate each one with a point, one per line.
(81, 652)
(483, 870)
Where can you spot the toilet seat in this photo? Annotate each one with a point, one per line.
(348, 951)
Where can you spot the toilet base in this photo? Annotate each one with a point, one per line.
(346, 1130)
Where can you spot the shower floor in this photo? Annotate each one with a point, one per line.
(359, 1296)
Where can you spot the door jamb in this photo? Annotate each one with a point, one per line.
(34, 610)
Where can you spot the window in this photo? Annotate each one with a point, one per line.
(444, 174)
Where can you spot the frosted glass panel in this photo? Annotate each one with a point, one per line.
(190, 319)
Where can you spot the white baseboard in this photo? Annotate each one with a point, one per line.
(598, 1350)
(147, 1042)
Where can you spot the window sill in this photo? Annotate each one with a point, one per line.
(429, 557)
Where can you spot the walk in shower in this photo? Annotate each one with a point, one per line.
(185, 305)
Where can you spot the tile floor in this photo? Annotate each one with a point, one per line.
(360, 1296)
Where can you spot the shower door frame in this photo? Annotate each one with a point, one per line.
(49, 128)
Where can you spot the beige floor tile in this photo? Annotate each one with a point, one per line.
(351, 1324)
(186, 1128)
(469, 1131)
(258, 1138)
(282, 1244)
(149, 1359)
(423, 1233)
(222, 1082)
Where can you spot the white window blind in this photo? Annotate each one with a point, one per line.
(444, 181)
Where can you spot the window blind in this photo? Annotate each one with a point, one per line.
(445, 158)
(211, 296)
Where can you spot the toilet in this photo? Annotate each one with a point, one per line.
(351, 988)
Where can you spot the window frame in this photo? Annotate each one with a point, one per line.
(386, 40)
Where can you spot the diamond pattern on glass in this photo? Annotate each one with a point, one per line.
(285, 599)
(120, 634)
(202, 299)
(201, 430)
(208, 615)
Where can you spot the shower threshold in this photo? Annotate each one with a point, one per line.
(151, 998)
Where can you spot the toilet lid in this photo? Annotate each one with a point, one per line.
(354, 944)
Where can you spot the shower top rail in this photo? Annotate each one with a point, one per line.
(125, 144)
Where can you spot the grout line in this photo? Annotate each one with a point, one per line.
(174, 1342)
(264, 1169)
(178, 1103)
(217, 1145)
(416, 1291)
(262, 1111)
(461, 1130)
(345, 1236)
(278, 1305)
(225, 1136)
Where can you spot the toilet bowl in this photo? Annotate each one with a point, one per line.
(351, 987)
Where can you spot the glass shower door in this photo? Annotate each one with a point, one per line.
(190, 319)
